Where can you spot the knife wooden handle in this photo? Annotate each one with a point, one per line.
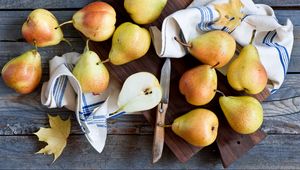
(159, 132)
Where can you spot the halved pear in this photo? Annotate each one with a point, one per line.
(141, 91)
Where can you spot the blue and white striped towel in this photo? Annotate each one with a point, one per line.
(92, 111)
(273, 41)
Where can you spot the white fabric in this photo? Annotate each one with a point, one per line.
(273, 41)
(63, 90)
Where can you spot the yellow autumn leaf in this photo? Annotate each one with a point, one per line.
(230, 14)
(55, 136)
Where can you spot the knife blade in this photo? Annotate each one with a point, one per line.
(159, 132)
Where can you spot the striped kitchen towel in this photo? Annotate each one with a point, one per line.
(92, 111)
(273, 41)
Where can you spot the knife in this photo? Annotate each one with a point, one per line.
(159, 131)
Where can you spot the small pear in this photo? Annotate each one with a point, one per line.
(144, 11)
(212, 48)
(199, 85)
(23, 73)
(41, 29)
(246, 72)
(243, 113)
(91, 72)
(129, 43)
(96, 21)
(141, 91)
(198, 127)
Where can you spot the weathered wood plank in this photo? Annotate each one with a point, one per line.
(10, 27)
(23, 114)
(134, 152)
(58, 4)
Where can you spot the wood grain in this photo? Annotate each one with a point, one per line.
(133, 152)
(58, 4)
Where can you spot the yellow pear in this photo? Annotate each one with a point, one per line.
(246, 72)
(199, 85)
(243, 113)
(144, 11)
(129, 43)
(91, 72)
(212, 48)
(41, 29)
(198, 127)
(23, 73)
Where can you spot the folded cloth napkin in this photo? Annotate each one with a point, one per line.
(273, 41)
(92, 111)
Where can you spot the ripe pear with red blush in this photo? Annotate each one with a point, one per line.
(212, 48)
(198, 127)
(23, 73)
(42, 29)
(199, 85)
(96, 21)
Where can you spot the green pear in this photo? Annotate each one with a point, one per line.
(41, 29)
(198, 127)
(199, 85)
(91, 72)
(96, 21)
(214, 47)
(23, 73)
(246, 72)
(141, 91)
(244, 113)
(129, 43)
(144, 11)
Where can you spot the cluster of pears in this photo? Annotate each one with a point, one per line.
(244, 114)
(97, 22)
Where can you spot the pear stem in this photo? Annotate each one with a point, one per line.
(68, 42)
(253, 35)
(87, 46)
(115, 112)
(214, 66)
(105, 61)
(64, 23)
(182, 43)
(164, 126)
(218, 91)
(35, 45)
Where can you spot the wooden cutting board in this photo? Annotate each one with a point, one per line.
(231, 145)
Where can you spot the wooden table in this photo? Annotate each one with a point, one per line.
(130, 137)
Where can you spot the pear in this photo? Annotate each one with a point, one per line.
(144, 11)
(199, 85)
(198, 127)
(23, 73)
(41, 29)
(129, 43)
(96, 21)
(246, 72)
(141, 91)
(212, 48)
(91, 72)
(244, 113)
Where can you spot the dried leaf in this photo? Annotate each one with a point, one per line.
(230, 14)
(56, 136)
